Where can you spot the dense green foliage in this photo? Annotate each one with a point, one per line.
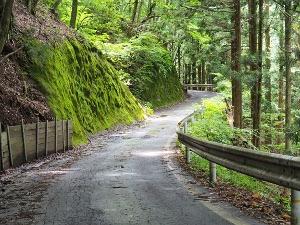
(148, 70)
(216, 126)
(81, 85)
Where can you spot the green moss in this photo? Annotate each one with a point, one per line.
(82, 86)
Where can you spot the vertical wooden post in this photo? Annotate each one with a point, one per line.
(11, 161)
(1, 149)
(63, 135)
(55, 135)
(46, 138)
(24, 141)
(68, 141)
(37, 138)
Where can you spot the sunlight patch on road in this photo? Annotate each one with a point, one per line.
(53, 172)
(118, 174)
(153, 153)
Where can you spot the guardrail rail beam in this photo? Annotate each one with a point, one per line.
(282, 170)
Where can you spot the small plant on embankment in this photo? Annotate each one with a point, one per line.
(212, 125)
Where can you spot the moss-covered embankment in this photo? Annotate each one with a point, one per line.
(81, 85)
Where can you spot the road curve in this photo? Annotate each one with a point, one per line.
(133, 180)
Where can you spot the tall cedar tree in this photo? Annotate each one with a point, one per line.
(254, 69)
(267, 75)
(236, 64)
(6, 7)
(288, 77)
(74, 13)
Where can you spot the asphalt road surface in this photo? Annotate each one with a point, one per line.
(133, 179)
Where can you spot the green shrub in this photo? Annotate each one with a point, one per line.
(212, 124)
(148, 70)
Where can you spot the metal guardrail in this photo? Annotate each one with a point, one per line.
(279, 169)
(199, 86)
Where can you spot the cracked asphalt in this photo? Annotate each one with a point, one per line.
(132, 179)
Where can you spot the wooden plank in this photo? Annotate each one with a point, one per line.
(5, 149)
(31, 150)
(33, 137)
(14, 129)
(18, 153)
(6, 163)
(9, 148)
(37, 139)
(24, 141)
(63, 135)
(1, 149)
(55, 135)
(43, 130)
(70, 133)
(51, 145)
(32, 126)
(46, 138)
(68, 143)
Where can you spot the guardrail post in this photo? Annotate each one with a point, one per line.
(212, 173)
(193, 119)
(295, 204)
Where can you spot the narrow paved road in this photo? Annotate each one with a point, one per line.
(133, 180)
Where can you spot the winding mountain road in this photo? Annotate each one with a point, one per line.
(132, 179)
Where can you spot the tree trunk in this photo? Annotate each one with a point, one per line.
(199, 71)
(194, 72)
(236, 65)
(28, 4)
(288, 84)
(134, 11)
(34, 4)
(74, 14)
(254, 69)
(257, 118)
(179, 61)
(2, 5)
(55, 7)
(139, 11)
(5, 22)
(203, 73)
(268, 85)
(281, 84)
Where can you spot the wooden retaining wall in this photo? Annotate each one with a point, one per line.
(27, 142)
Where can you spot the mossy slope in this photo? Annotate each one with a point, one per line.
(81, 85)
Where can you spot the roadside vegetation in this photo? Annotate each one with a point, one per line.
(213, 125)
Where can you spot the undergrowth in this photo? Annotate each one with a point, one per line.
(147, 68)
(212, 125)
(82, 86)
